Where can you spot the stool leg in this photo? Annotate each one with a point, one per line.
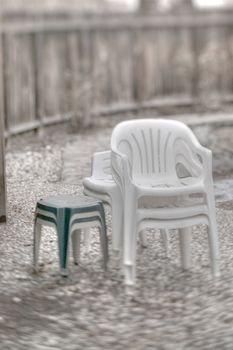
(103, 235)
(76, 238)
(63, 242)
(36, 245)
(104, 244)
(86, 238)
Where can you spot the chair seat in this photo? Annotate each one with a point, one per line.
(99, 184)
(166, 182)
(169, 188)
(175, 212)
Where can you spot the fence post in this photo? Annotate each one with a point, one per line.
(196, 72)
(2, 141)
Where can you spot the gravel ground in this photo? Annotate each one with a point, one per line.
(170, 309)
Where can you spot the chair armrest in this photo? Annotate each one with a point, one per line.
(205, 157)
(120, 169)
(203, 161)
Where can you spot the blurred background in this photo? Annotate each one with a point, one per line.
(75, 60)
(84, 61)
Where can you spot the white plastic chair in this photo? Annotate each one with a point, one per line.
(146, 157)
(101, 185)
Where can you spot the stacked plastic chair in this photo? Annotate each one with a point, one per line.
(102, 186)
(69, 214)
(146, 156)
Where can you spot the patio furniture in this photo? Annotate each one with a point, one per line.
(146, 157)
(101, 185)
(68, 214)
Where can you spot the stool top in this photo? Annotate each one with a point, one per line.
(69, 201)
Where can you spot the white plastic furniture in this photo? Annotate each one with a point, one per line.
(146, 158)
(69, 214)
(102, 186)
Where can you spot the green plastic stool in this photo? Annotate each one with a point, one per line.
(68, 215)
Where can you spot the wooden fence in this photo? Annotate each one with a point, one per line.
(68, 67)
(54, 67)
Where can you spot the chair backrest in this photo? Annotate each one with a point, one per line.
(154, 147)
(101, 165)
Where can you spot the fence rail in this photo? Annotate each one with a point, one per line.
(44, 21)
(80, 67)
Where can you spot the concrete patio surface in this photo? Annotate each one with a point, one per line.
(170, 309)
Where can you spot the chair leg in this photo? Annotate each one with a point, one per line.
(117, 226)
(143, 238)
(130, 226)
(164, 235)
(86, 238)
(213, 247)
(213, 238)
(104, 244)
(129, 267)
(36, 245)
(185, 235)
(76, 238)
